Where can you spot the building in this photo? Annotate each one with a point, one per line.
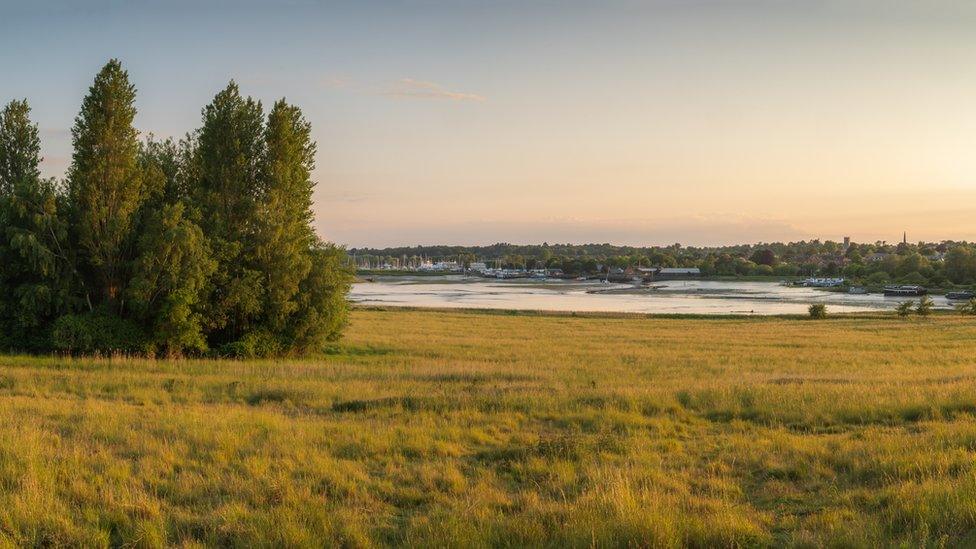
(478, 267)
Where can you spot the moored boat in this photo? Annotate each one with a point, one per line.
(960, 296)
(904, 291)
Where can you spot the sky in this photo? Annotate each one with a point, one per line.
(639, 123)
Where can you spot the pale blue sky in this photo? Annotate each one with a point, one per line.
(632, 122)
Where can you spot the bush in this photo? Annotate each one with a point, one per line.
(97, 332)
(818, 311)
(924, 307)
(258, 344)
(905, 308)
(786, 269)
(877, 278)
(967, 308)
(915, 278)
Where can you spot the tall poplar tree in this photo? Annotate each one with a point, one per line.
(230, 152)
(105, 184)
(284, 234)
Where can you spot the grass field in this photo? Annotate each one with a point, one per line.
(472, 429)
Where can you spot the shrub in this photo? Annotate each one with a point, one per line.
(914, 278)
(786, 269)
(924, 307)
(905, 308)
(877, 278)
(97, 332)
(818, 311)
(967, 308)
(257, 344)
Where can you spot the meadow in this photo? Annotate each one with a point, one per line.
(473, 429)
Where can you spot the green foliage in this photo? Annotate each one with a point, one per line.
(229, 161)
(34, 266)
(170, 279)
(322, 306)
(878, 278)
(284, 235)
(104, 181)
(162, 246)
(99, 331)
(960, 264)
(914, 278)
(254, 344)
(905, 308)
(924, 307)
(818, 311)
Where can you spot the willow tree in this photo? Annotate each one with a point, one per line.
(35, 273)
(105, 186)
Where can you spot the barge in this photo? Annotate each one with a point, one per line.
(904, 291)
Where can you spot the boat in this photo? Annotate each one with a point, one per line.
(904, 291)
(960, 296)
(858, 290)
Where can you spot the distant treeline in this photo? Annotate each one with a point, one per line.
(164, 247)
(937, 264)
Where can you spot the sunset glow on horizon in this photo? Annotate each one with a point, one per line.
(640, 123)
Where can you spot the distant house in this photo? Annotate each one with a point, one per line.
(478, 267)
(678, 272)
(876, 256)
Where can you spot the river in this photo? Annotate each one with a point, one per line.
(668, 297)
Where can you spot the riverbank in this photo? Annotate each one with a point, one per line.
(459, 428)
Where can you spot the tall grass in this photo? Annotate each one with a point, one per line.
(464, 429)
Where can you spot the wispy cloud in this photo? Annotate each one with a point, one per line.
(336, 81)
(420, 89)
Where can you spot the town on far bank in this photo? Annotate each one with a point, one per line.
(902, 268)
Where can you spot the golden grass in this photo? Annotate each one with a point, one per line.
(465, 429)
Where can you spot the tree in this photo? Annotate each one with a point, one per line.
(104, 181)
(763, 257)
(35, 269)
(322, 307)
(960, 265)
(904, 308)
(968, 307)
(284, 235)
(818, 311)
(911, 263)
(171, 274)
(924, 307)
(229, 164)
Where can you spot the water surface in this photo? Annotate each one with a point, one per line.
(688, 297)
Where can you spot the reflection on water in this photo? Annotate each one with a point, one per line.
(692, 297)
